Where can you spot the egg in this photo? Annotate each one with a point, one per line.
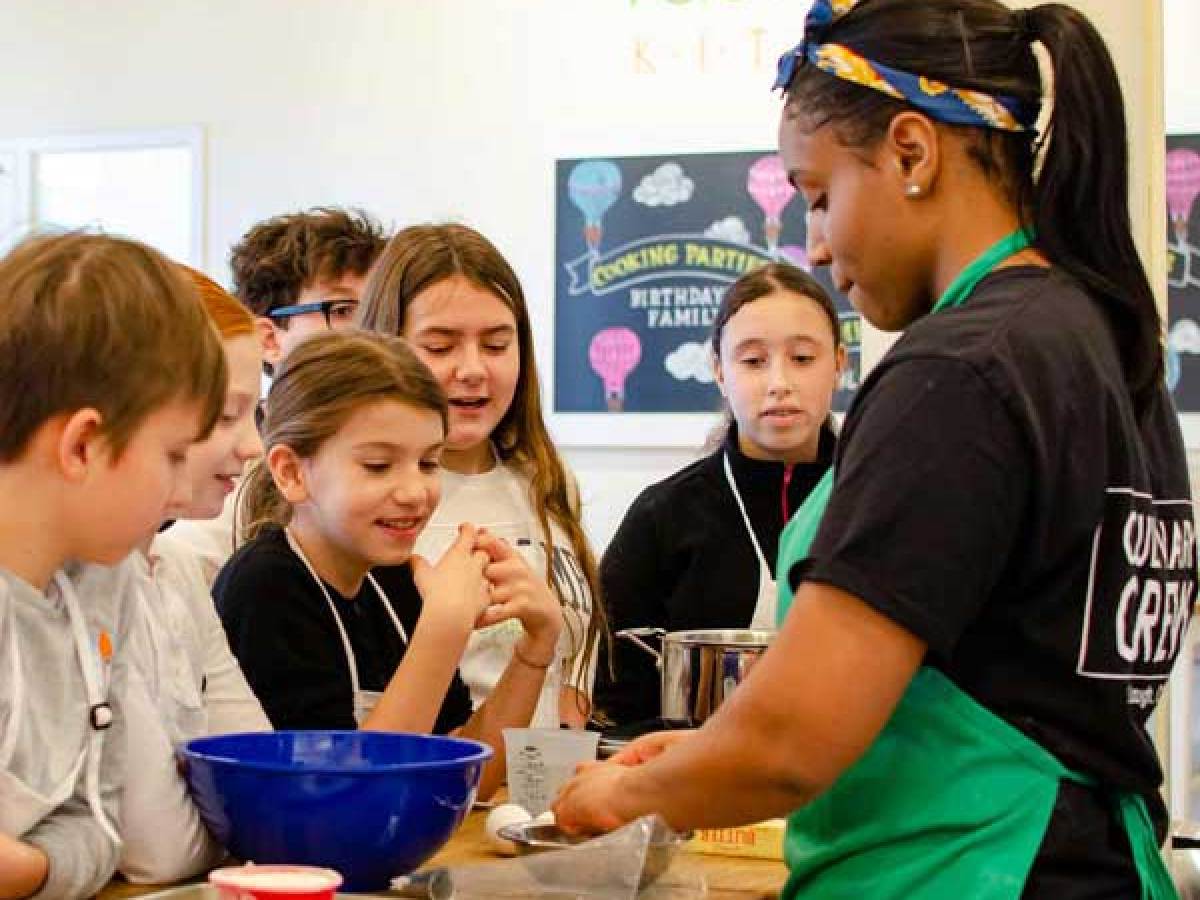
(505, 814)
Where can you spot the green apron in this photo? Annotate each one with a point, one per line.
(950, 801)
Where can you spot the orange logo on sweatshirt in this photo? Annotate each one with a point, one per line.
(104, 644)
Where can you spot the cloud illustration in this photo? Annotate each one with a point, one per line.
(731, 229)
(1184, 337)
(665, 186)
(690, 360)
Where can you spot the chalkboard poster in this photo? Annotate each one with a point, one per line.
(645, 247)
(1183, 278)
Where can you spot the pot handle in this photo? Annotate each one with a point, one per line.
(636, 634)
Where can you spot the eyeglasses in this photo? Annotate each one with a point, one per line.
(339, 312)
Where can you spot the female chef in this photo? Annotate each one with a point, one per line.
(983, 602)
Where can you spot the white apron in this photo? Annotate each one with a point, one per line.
(364, 701)
(764, 606)
(22, 807)
(176, 682)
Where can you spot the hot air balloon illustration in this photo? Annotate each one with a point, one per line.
(593, 187)
(1183, 183)
(796, 255)
(614, 353)
(768, 184)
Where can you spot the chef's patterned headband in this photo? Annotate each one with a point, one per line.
(954, 106)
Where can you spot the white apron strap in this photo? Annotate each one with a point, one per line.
(383, 599)
(8, 741)
(100, 714)
(764, 606)
(346, 648)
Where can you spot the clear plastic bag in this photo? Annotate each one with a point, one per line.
(631, 862)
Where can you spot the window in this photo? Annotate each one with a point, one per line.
(146, 185)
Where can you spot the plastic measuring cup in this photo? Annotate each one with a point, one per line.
(542, 760)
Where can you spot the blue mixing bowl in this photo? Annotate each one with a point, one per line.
(370, 804)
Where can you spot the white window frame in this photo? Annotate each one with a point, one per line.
(25, 151)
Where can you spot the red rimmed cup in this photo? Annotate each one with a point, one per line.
(275, 882)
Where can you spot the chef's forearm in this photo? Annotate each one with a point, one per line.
(733, 772)
(808, 710)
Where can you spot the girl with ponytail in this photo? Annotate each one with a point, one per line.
(975, 622)
(336, 623)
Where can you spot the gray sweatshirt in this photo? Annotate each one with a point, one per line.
(55, 724)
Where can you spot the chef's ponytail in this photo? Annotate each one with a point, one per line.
(1080, 201)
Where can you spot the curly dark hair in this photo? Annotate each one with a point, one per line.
(277, 258)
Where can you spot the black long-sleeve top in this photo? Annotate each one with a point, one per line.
(286, 639)
(682, 559)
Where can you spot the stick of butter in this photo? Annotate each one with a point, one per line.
(761, 841)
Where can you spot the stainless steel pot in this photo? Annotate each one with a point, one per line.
(700, 668)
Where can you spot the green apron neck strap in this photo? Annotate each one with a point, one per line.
(961, 287)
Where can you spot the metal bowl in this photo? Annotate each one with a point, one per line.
(530, 838)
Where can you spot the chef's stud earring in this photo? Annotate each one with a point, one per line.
(913, 190)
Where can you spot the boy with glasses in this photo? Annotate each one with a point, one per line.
(304, 272)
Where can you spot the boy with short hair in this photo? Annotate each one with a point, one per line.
(109, 370)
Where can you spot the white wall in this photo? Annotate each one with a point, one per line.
(428, 109)
(415, 109)
(1182, 65)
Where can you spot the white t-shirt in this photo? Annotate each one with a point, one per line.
(211, 541)
(499, 501)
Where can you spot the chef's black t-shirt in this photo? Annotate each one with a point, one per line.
(997, 495)
(287, 642)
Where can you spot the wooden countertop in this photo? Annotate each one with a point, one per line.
(729, 878)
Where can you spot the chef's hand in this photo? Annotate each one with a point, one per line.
(595, 800)
(592, 800)
(649, 746)
(517, 592)
(454, 591)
